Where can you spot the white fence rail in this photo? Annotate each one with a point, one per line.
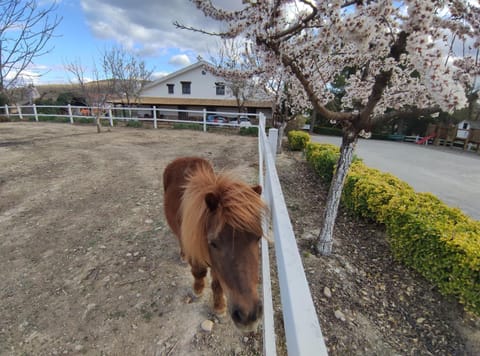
(154, 115)
(302, 329)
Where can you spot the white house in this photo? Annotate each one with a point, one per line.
(194, 88)
(464, 127)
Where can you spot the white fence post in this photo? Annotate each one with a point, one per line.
(70, 113)
(262, 121)
(7, 113)
(110, 116)
(204, 120)
(272, 140)
(19, 109)
(35, 112)
(154, 117)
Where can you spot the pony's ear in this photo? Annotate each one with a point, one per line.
(257, 189)
(212, 201)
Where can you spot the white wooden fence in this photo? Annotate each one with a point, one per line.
(302, 329)
(154, 115)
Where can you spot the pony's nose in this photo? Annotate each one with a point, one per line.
(241, 317)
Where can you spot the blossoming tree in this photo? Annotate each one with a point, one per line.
(397, 50)
(247, 80)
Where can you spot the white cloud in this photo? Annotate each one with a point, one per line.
(158, 75)
(147, 25)
(180, 60)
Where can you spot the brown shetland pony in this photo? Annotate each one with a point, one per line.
(217, 220)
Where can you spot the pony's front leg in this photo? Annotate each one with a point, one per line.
(199, 272)
(219, 305)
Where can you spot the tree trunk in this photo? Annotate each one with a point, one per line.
(312, 121)
(325, 238)
(98, 123)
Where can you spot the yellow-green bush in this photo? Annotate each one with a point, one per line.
(323, 157)
(297, 140)
(367, 191)
(439, 242)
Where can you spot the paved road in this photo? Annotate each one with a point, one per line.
(451, 174)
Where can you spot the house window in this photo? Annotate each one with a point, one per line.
(186, 87)
(220, 88)
(170, 88)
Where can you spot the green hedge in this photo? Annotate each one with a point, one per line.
(367, 191)
(439, 242)
(297, 140)
(323, 158)
(330, 131)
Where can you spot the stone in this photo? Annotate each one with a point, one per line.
(339, 315)
(207, 326)
(327, 292)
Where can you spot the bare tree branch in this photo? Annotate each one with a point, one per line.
(25, 29)
(128, 73)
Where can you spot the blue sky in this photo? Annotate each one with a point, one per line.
(90, 26)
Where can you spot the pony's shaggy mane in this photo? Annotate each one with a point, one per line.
(238, 206)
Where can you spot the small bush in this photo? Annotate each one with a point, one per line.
(179, 126)
(249, 131)
(297, 140)
(323, 157)
(83, 120)
(134, 123)
(330, 131)
(51, 119)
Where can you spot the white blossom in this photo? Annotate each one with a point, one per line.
(313, 45)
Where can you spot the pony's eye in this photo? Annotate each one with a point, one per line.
(213, 244)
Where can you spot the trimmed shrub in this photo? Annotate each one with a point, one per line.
(439, 242)
(367, 191)
(297, 140)
(330, 131)
(323, 158)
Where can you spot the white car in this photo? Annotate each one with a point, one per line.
(242, 121)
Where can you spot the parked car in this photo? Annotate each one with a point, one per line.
(217, 119)
(242, 121)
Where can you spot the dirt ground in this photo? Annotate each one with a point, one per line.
(88, 265)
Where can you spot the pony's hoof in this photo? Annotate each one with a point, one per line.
(191, 297)
(196, 295)
(220, 314)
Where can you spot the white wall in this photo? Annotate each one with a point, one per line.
(202, 86)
